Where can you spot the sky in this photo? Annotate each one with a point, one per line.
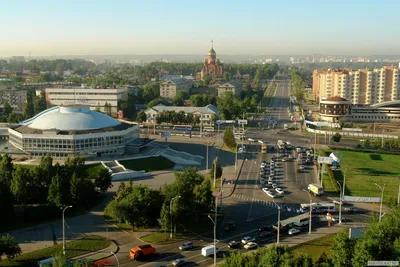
(264, 27)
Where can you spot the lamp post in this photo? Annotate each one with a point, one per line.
(215, 227)
(380, 209)
(63, 226)
(340, 202)
(170, 212)
(310, 219)
(112, 253)
(279, 222)
(236, 156)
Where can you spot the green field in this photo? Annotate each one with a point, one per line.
(315, 247)
(148, 164)
(366, 169)
(74, 248)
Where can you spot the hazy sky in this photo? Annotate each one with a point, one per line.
(88, 27)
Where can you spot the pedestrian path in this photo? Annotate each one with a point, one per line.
(283, 206)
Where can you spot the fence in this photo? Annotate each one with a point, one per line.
(352, 134)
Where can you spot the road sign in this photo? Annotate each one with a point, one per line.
(242, 122)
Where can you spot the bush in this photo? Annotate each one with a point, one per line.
(229, 138)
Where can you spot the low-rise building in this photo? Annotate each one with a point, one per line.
(92, 96)
(204, 113)
(170, 87)
(234, 87)
(334, 109)
(14, 96)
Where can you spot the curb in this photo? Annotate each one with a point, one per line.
(237, 177)
(108, 249)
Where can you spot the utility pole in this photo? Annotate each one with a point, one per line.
(215, 170)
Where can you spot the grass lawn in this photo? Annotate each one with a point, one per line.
(315, 247)
(148, 164)
(160, 238)
(227, 148)
(366, 169)
(74, 248)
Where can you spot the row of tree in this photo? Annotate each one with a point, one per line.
(138, 205)
(298, 84)
(380, 242)
(388, 143)
(48, 184)
(172, 117)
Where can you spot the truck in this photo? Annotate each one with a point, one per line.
(141, 251)
(317, 189)
(281, 144)
(208, 251)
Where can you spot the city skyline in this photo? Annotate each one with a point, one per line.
(49, 28)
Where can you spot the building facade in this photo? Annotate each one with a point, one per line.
(334, 109)
(212, 66)
(204, 113)
(382, 112)
(234, 87)
(14, 96)
(64, 131)
(170, 87)
(86, 95)
(361, 86)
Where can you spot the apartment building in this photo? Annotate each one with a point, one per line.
(360, 86)
(169, 87)
(14, 96)
(91, 96)
(234, 87)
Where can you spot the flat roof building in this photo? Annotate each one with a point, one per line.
(234, 87)
(14, 96)
(169, 87)
(204, 113)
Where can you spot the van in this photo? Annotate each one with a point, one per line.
(186, 246)
(208, 251)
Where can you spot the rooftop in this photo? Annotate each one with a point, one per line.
(334, 98)
(207, 109)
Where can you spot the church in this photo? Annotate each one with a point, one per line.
(212, 65)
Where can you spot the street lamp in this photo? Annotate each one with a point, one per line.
(380, 209)
(215, 227)
(309, 222)
(170, 212)
(63, 226)
(112, 253)
(340, 202)
(279, 222)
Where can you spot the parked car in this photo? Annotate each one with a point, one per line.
(293, 231)
(248, 239)
(350, 209)
(234, 244)
(179, 262)
(265, 234)
(274, 186)
(186, 246)
(302, 167)
(250, 245)
(279, 191)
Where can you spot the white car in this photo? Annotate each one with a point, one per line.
(283, 159)
(274, 186)
(270, 182)
(290, 157)
(293, 231)
(279, 191)
(250, 245)
(265, 190)
(302, 167)
(179, 262)
(272, 173)
(271, 194)
(248, 239)
(263, 164)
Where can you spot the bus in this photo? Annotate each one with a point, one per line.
(263, 148)
(319, 208)
(182, 127)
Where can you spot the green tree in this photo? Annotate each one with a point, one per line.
(207, 79)
(7, 109)
(304, 260)
(151, 91)
(129, 106)
(39, 103)
(103, 180)
(29, 107)
(276, 256)
(229, 138)
(218, 170)
(107, 108)
(336, 137)
(197, 100)
(342, 250)
(9, 247)
(81, 189)
(59, 191)
(228, 106)
(21, 184)
(203, 194)
(180, 98)
(156, 102)
(141, 117)
(227, 76)
(322, 261)
(98, 107)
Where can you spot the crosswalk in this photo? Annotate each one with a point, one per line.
(282, 206)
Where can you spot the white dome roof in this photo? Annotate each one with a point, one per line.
(70, 118)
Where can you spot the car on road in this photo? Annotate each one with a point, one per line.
(335, 218)
(293, 231)
(302, 167)
(233, 244)
(338, 202)
(248, 239)
(279, 191)
(274, 186)
(270, 182)
(250, 245)
(179, 262)
(350, 209)
(283, 159)
(265, 234)
(230, 226)
(264, 228)
(290, 157)
(186, 246)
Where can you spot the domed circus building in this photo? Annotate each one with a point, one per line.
(64, 131)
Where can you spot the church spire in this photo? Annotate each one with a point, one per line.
(212, 44)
